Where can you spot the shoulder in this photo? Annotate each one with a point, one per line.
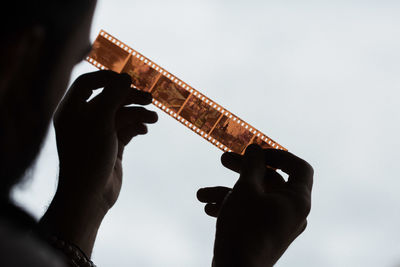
(20, 249)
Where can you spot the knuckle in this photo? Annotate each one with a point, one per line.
(222, 188)
(306, 207)
(126, 78)
(305, 204)
(81, 79)
(302, 227)
(308, 169)
(254, 147)
(57, 119)
(302, 202)
(140, 109)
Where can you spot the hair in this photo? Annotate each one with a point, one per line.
(58, 19)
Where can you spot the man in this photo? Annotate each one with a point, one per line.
(256, 220)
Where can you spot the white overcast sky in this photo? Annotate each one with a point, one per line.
(320, 77)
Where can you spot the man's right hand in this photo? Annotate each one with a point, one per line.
(261, 216)
(91, 135)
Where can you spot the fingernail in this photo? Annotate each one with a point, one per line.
(252, 147)
(149, 96)
(198, 193)
(126, 77)
(155, 116)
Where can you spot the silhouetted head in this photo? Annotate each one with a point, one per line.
(41, 41)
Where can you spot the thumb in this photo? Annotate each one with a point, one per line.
(252, 171)
(114, 94)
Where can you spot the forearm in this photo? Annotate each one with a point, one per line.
(237, 258)
(233, 249)
(74, 218)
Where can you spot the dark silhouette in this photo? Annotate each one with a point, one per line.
(41, 42)
(261, 216)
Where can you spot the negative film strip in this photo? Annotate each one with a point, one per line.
(179, 100)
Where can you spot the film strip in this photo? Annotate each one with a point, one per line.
(197, 112)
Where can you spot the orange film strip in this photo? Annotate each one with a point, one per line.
(179, 100)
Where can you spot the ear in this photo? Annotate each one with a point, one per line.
(20, 57)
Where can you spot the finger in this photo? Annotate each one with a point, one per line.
(253, 169)
(273, 181)
(134, 115)
(114, 95)
(232, 161)
(121, 148)
(299, 171)
(212, 194)
(302, 227)
(136, 96)
(84, 85)
(212, 209)
(126, 134)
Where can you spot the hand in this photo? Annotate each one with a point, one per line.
(261, 216)
(91, 136)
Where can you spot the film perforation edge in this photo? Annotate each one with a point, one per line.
(192, 93)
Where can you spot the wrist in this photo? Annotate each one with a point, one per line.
(73, 200)
(74, 218)
(236, 258)
(233, 250)
(98, 188)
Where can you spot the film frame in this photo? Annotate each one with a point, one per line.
(185, 104)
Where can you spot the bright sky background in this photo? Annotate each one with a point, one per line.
(320, 77)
